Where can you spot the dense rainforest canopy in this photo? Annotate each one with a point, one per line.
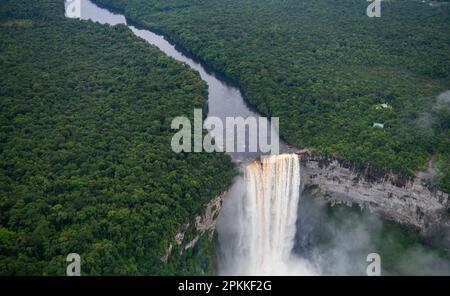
(85, 159)
(328, 70)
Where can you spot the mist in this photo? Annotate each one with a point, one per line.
(257, 225)
(328, 241)
(336, 241)
(437, 116)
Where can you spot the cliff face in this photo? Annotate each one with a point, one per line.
(189, 233)
(408, 200)
(411, 201)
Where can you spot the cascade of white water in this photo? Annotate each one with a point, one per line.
(268, 214)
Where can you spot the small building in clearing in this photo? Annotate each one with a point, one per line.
(378, 124)
(383, 106)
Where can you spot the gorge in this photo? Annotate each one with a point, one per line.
(276, 182)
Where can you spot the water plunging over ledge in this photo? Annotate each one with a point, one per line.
(257, 228)
(226, 100)
(253, 200)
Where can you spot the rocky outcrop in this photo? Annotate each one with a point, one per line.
(189, 233)
(411, 201)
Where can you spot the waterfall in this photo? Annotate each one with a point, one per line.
(270, 211)
(263, 227)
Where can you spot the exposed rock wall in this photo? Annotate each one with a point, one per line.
(408, 200)
(411, 201)
(202, 224)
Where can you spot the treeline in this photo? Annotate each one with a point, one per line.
(326, 69)
(85, 159)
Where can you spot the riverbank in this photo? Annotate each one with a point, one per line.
(319, 172)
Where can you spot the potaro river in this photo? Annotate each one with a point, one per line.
(261, 229)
